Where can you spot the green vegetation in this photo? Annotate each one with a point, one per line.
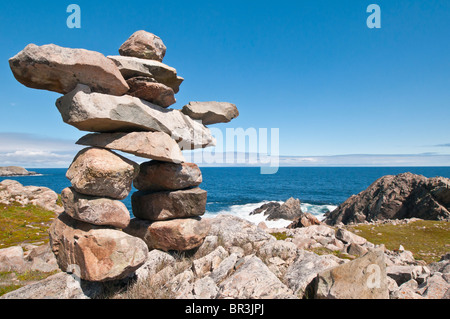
(11, 280)
(34, 275)
(326, 251)
(428, 240)
(8, 288)
(59, 201)
(18, 225)
(280, 235)
(27, 224)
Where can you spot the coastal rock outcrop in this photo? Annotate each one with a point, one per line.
(14, 192)
(396, 197)
(362, 278)
(245, 261)
(290, 210)
(246, 283)
(15, 171)
(305, 220)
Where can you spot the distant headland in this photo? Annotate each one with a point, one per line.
(15, 171)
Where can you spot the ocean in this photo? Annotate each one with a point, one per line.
(240, 190)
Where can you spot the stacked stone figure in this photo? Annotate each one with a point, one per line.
(123, 100)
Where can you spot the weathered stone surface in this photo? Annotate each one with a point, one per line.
(12, 259)
(100, 172)
(220, 272)
(305, 220)
(12, 191)
(305, 268)
(266, 208)
(99, 254)
(356, 250)
(54, 68)
(399, 258)
(209, 244)
(95, 210)
(97, 112)
(59, 286)
(349, 237)
(15, 171)
(131, 67)
(144, 45)
(289, 210)
(211, 112)
(160, 176)
(442, 266)
(235, 231)
(436, 287)
(205, 288)
(41, 258)
(284, 250)
(278, 256)
(156, 260)
(406, 291)
(253, 280)
(362, 278)
(175, 234)
(169, 204)
(153, 145)
(208, 263)
(396, 197)
(403, 273)
(152, 91)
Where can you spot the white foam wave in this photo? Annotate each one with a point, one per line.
(243, 211)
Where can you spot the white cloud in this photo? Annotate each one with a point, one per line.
(34, 151)
(427, 159)
(35, 159)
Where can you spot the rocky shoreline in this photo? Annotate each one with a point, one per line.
(317, 261)
(10, 171)
(300, 261)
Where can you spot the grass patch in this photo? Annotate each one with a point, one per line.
(59, 201)
(281, 235)
(8, 288)
(27, 224)
(34, 275)
(12, 280)
(428, 240)
(326, 251)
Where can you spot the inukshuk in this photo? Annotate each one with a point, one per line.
(124, 101)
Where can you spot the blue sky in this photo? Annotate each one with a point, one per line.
(311, 68)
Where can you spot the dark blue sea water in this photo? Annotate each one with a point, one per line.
(239, 190)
